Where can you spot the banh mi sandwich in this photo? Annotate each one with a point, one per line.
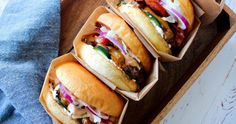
(114, 51)
(165, 23)
(75, 96)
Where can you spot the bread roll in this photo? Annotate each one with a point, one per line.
(89, 89)
(107, 68)
(124, 32)
(144, 24)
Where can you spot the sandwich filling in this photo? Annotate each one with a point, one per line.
(110, 46)
(78, 109)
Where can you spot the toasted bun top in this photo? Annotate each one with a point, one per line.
(187, 9)
(144, 25)
(124, 32)
(89, 89)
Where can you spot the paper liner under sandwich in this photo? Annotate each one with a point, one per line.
(89, 27)
(212, 9)
(165, 57)
(45, 89)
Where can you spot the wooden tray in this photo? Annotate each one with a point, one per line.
(206, 45)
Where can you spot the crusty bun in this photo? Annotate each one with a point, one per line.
(101, 65)
(89, 89)
(143, 23)
(105, 67)
(188, 12)
(124, 32)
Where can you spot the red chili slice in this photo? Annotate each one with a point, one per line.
(104, 41)
(156, 7)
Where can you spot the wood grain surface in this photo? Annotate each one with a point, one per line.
(74, 14)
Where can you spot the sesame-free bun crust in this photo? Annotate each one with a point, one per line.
(143, 24)
(89, 89)
(125, 33)
(105, 68)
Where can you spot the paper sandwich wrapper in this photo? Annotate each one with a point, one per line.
(212, 9)
(56, 62)
(156, 53)
(88, 27)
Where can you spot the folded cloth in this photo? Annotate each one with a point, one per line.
(8, 113)
(29, 40)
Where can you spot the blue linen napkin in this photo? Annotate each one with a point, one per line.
(29, 40)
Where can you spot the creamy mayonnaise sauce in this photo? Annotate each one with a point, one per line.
(176, 6)
(159, 30)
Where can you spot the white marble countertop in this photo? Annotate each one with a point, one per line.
(212, 97)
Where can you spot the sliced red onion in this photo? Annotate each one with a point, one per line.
(184, 22)
(99, 31)
(115, 42)
(66, 93)
(112, 39)
(105, 117)
(68, 97)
